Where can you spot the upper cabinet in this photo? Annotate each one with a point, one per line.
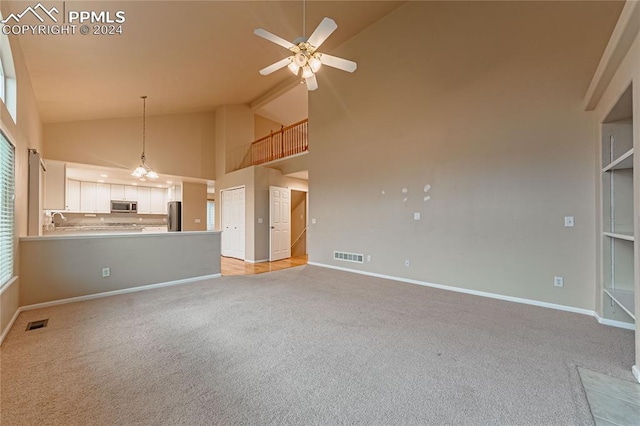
(73, 196)
(124, 192)
(91, 197)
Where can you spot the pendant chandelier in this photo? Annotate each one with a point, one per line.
(144, 170)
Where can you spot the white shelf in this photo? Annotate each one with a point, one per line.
(624, 299)
(625, 161)
(628, 236)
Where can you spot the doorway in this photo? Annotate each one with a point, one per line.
(233, 222)
(299, 211)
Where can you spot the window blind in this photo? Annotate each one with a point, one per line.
(7, 190)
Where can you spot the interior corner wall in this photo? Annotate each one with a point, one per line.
(468, 113)
(234, 136)
(264, 126)
(194, 206)
(176, 144)
(26, 133)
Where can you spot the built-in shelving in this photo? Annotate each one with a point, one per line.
(624, 299)
(623, 162)
(620, 235)
(618, 212)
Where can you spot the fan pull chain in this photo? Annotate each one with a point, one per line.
(304, 16)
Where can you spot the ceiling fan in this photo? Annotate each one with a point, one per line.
(305, 58)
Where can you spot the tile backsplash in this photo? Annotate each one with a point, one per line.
(105, 219)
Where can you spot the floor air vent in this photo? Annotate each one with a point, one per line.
(348, 257)
(34, 325)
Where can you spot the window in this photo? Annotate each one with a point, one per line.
(211, 215)
(8, 84)
(7, 186)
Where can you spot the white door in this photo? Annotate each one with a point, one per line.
(280, 223)
(233, 217)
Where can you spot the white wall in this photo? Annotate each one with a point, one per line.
(482, 101)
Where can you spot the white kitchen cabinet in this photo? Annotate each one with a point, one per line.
(152, 200)
(103, 198)
(144, 200)
(95, 197)
(130, 193)
(88, 197)
(54, 185)
(117, 192)
(73, 195)
(124, 192)
(158, 201)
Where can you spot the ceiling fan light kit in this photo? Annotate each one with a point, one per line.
(305, 56)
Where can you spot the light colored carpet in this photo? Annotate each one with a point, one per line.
(304, 346)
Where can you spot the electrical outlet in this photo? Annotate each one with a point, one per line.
(313, 221)
(197, 220)
(406, 262)
(106, 272)
(568, 221)
(416, 216)
(368, 258)
(558, 281)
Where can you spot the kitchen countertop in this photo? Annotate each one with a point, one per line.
(134, 234)
(100, 228)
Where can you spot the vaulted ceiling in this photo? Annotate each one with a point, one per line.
(186, 56)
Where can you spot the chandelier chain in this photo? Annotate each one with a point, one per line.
(144, 123)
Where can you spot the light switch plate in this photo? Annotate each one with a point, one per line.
(569, 221)
(259, 220)
(197, 220)
(558, 281)
(313, 221)
(416, 216)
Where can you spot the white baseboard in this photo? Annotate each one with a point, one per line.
(99, 295)
(257, 261)
(6, 330)
(636, 372)
(464, 290)
(614, 323)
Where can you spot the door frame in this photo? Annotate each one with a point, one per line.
(271, 223)
(233, 188)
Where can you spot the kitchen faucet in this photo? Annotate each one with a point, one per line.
(55, 213)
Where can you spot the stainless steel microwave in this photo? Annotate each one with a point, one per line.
(124, 206)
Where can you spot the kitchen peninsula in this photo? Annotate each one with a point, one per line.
(57, 268)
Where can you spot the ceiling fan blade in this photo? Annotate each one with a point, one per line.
(273, 38)
(275, 67)
(335, 62)
(312, 83)
(322, 32)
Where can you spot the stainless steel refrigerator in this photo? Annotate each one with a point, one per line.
(175, 216)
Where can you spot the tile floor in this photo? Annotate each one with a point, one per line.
(612, 401)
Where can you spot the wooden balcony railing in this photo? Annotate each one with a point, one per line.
(285, 142)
